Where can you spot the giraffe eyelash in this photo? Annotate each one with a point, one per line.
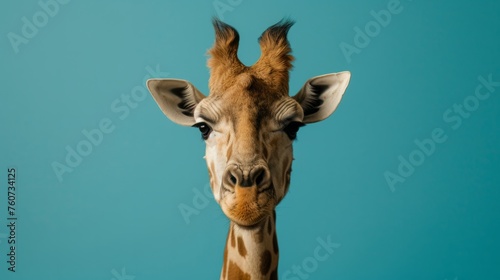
(204, 128)
(292, 128)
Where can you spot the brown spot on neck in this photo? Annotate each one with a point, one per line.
(234, 272)
(224, 263)
(265, 262)
(241, 247)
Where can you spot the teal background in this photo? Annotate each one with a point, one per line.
(116, 215)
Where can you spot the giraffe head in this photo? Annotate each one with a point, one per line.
(248, 120)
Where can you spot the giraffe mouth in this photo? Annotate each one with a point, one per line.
(269, 190)
(247, 206)
(247, 222)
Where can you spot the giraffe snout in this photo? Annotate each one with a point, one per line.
(257, 176)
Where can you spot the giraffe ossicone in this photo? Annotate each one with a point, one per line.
(249, 122)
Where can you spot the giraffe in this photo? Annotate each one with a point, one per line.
(249, 122)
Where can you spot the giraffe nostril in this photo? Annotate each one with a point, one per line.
(260, 177)
(247, 176)
(232, 179)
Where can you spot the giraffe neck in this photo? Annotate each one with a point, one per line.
(251, 253)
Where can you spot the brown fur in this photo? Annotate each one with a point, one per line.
(276, 61)
(265, 262)
(235, 272)
(249, 123)
(247, 94)
(241, 247)
(224, 263)
(270, 71)
(224, 62)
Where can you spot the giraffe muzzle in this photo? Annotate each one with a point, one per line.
(247, 176)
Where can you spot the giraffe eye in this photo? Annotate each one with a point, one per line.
(292, 128)
(204, 128)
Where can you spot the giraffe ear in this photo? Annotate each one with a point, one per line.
(321, 95)
(176, 98)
